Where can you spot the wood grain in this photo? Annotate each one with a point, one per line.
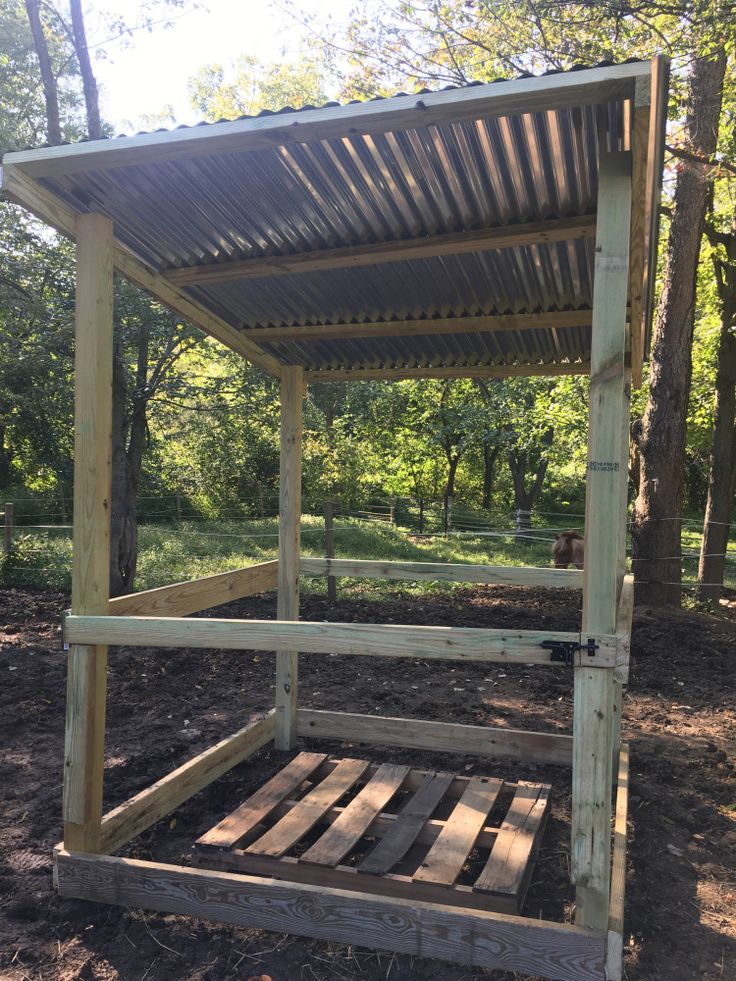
(604, 520)
(446, 857)
(491, 940)
(290, 512)
(408, 825)
(87, 665)
(442, 737)
(182, 598)
(443, 571)
(309, 810)
(618, 873)
(371, 640)
(259, 806)
(355, 819)
(511, 858)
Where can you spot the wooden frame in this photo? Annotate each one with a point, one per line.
(625, 228)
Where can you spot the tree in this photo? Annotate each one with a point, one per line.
(722, 469)
(657, 517)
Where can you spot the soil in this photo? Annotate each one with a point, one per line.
(165, 706)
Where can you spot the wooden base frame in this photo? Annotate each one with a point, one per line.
(479, 938)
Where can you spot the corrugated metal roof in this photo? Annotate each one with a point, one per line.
(362, 188)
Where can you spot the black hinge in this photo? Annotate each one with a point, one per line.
(564, 651)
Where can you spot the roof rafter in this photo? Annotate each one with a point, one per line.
(422, 328)
(469, 371)
(356, 256)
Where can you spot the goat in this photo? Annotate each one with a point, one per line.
(569, 549)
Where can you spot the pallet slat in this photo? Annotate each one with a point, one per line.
(446, 857)
(506, 868)
(340, 804)
(301, 819)
(236, 826)
(344, 833)
(401, 836)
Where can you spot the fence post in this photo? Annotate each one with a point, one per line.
(8, 528)
(178, 505)
(421, 515)
(392, 512)
(330, 549)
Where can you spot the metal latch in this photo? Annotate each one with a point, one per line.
(564, 651)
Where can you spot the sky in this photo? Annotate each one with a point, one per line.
(151, 72)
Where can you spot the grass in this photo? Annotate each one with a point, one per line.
(189, 549)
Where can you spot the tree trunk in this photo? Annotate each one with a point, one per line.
(48, 79)
(526, 497)
(453, 460)
(658, 508)
(89, 83)
(722, 473)
(490, 455)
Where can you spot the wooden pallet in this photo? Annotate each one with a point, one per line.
(388, 830)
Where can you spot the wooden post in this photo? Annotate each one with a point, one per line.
(330, 550)
(8, 528)
(290, 488)
(87, 667)
(607, 468)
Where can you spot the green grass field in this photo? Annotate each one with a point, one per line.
(41, 558)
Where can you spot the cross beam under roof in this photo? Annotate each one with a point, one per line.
(468, 371)
(421, 328)
(357, 256)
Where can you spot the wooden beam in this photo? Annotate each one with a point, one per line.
(439, 737)
(606, 469)
(443, 571)
(375, 640)
(36, 198)
(522, 95)
(182, 598)
(614, 957)
(423, 328)
(624, 620)
(290, 509)
(492, 940)
(375, 253)
(84, 752)
(468, 371)
(640, 146)
(150, 805)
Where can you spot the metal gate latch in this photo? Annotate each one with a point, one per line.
(564, 651)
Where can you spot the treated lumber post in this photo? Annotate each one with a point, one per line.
(87, 668)
(330, 549)
(606, 470)
(290, 492)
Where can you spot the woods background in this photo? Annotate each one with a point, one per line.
(196, 429)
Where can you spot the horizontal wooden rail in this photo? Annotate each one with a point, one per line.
(440, 737)
(483, 939)
(451, 643)
(181, 598)
(446, 571)
(155, 802)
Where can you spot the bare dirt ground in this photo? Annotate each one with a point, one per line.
(165, 706)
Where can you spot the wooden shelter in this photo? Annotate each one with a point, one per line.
(493, 230)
